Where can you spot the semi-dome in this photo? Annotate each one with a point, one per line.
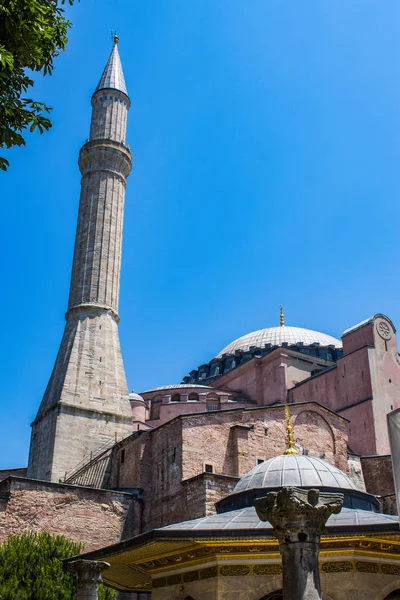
(277, 336)
(294, 470)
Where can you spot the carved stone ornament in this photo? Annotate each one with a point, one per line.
(88, 576)
(297, 514)
(383, 328)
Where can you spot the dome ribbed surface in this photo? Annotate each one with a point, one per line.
(279, 335)
(294, 470)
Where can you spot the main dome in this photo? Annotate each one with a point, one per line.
(276, 336)
(294, 470)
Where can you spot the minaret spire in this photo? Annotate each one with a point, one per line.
(86, 403)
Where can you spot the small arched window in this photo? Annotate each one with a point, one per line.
(176, 398)
(193, 397)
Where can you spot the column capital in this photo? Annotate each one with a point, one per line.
(296, 514)
(87, 572)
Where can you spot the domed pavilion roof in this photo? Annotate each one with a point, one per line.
(276, 336)
(294, 470)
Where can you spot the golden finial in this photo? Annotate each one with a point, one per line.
(282, 316)
(115, 38)
(289, 430)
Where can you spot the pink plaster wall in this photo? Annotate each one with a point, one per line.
(358, 338)
(364, 387)
(385, 379)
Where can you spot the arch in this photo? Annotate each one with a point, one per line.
(193, 397)
(262, 590)
(384, 593)
(277, 595)
(313, 432)
(395, 595)
(176, 397)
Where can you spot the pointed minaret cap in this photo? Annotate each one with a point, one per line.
(113, 76)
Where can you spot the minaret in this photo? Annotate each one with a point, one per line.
(86, 404)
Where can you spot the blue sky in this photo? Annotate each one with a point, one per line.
(266, 143)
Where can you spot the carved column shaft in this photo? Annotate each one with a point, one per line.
(298, 517)
(300, 571)
(87, 577)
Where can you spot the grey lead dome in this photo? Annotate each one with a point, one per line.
(294, 470)
(276, 336)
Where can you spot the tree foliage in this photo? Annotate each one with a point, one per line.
(31, 568)
(32, 34)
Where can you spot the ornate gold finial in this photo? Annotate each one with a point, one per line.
(115, 38)
(289, 430)
(282, 316)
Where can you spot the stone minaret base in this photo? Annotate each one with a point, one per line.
(92, 409)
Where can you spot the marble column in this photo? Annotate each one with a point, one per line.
(87, 577)
(298, 517)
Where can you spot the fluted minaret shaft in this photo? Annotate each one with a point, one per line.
(86, 401)
(105, 163)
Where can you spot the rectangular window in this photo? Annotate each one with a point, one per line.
(122, 456)
(208, 468)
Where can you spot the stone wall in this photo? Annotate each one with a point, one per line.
(169, 463)
(378, 475)
(233, 442)
(94, 517)
(5, 473)
(204, 491)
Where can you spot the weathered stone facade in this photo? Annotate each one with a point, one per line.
(94, 517)
(86, 401)
(189, 463)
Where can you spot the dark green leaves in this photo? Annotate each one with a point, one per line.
(31, 568)
(32, 34)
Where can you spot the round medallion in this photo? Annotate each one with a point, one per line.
(383, 328)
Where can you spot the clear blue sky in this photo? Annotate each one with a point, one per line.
(266, 142)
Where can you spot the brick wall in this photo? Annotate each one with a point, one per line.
(94, 517)
(378, 475)
(203, 491)
(231, 442)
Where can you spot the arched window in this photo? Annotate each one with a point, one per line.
(193, 397)
(395, 595)
(176, 398)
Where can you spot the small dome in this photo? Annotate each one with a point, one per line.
(135, 397)
(294, 470)
(279, 335)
